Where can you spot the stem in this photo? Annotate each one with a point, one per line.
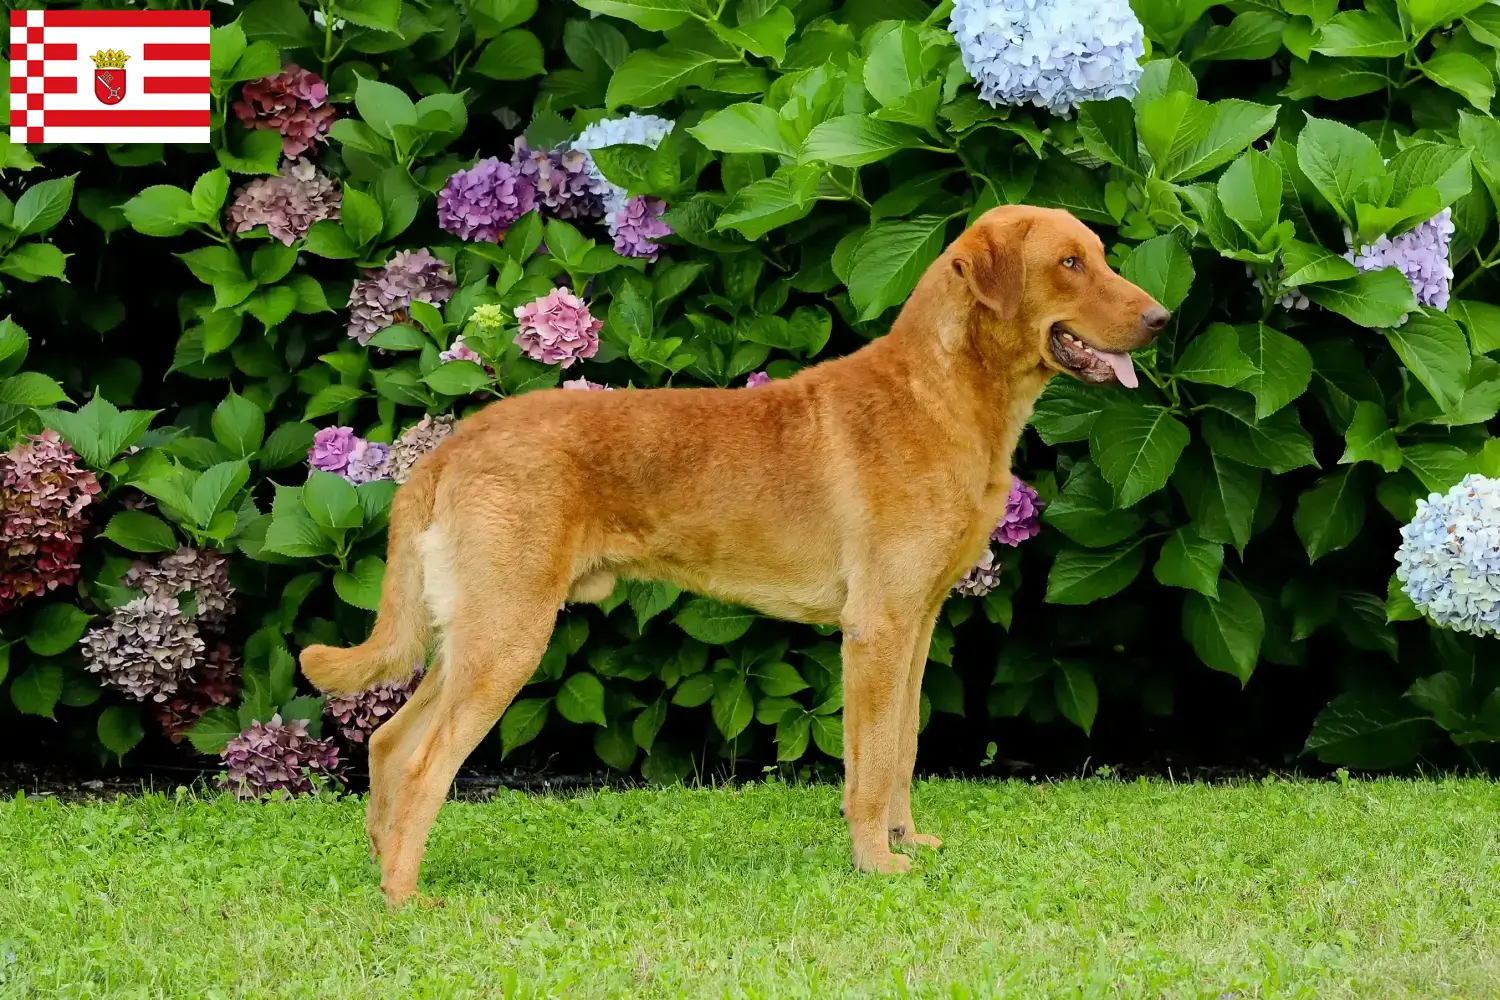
(1485, 263)
(327, 36)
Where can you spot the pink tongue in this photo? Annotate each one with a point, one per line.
(1124, 369)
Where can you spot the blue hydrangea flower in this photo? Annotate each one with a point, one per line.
(633, 129)
(1054, 54)
(1421, 253)
(1449, 559)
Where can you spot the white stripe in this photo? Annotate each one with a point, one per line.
(185, 135)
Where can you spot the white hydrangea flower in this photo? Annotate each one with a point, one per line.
(634, 129)
(1449, 559)
(1292, 298)
(1055, 54)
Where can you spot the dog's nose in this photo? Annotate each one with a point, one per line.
(1154, 320)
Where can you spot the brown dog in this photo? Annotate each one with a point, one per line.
(856, 493)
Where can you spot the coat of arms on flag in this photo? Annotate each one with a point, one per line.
(162, 96)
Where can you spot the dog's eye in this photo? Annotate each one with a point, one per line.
(1073, 263)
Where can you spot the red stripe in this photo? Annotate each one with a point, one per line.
(126, 119)
(60, 85)
(59, 50)
(175, 85)
(162, 50)
(125, 18)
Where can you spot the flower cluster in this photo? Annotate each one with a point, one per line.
(481, 203)
(1022, 520)
(416, 441)
(340, 451)
(287, 204)
(558, 329)
(636, 225)
(757, 379)
(983, 578)
(581, 383)
(1449, 559)
(383, 296)
(43, 493)
(359, 715)
(567, 184)
(1055, 54)
(204, 573)
(1420, 253)
(294, 102)
(1292, 298)
(277, 756)
(148, 648)
(216, 683)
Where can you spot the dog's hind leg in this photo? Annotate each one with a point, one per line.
(903, 828)
(503, 608)
(390, 746)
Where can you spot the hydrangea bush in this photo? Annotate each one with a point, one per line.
(220, 362)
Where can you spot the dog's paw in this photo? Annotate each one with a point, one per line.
(886, 864)
(915, 839)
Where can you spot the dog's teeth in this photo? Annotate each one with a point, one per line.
(1089, 349)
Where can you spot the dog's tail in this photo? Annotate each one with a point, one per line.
(403, 625)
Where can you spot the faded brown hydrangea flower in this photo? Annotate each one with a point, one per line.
(204, 572)
(416, 441)
(276, 755)
(215, 683)
(359, 715)
(147, 649)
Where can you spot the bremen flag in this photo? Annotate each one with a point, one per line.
(109, 76)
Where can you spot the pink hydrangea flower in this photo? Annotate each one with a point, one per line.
(294, 102)
(557, 329)
(584, 384)
(360, 714)
(331, 448)
(287, 204)
(1023, 515)
(43, 492)
(460, 351)
(383, 296)
(756, 380)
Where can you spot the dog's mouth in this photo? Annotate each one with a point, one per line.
(1091, 364)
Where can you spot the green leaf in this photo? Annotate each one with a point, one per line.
(35, 692)
(1463, 74)
(778, 679)
(1366, 33)
(239, 425)
(138, 531)
(1136, 448)
(1108, 131)
(31, 389)
(1344, 165)
(360, 216)
(1399, 606)
(1252, 35)
(1068, 408)
(1250, 191)
(649, 598)
(793, 731)
(1213, 135)
(1438, 466)
(1283, 367)
(31, 262)
(383, 107)
(581, 699)
(287, 445)
(1434, 349)
(331, 399)
(890, 258)
(1190, 562)
(1077, 695)
(43, 205)
(714, 622)
(732, 707)
(766, 204)
(1374, 299)
(522, 723)
(56, 629)
(1221, 495)
(1225, 633)
(649, 77)
(856, 140)
(1367, 730)
(361, 587)
(649, 723)
(1214, 358)
(1162, 268)
(328, 239)
(1082, 576)
(120, 729)
(1370, 438)
(1085, 510)
(1305, 263)
(1330, 514)
(513, 55)
(653, 15)
(828, 734)
(218, 485)
(1482, 322)
(162, 210)
(331, 501)
(745, 128)
(1278, 443)
(458, 378)
(213, 730)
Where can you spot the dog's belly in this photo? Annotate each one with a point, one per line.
(787, 591)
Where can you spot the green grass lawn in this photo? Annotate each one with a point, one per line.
(1074, 889)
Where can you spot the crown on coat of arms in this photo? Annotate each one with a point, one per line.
(109, 59)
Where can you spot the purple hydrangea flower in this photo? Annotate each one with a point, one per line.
(277, 756)
(757, 379)
(1449, 559)
(1023, 515)
(360, 714)
(481, 203)
(383, 296)
(567, 185)
(558, 329)
(983, 578)
(368, 461)
(460, 351)
(581, 383)
(1055, 54)
(636, 225)
(1420, 253)
(633, 129)
(331, 449)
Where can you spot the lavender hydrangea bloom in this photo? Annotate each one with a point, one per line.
(567, 184)
(983, 578)
(358, 715)
(1449, 559)
(277, 756)
(148, 648)
(368, 462)
(1023, 516)
(634, 129)
(383, 296)
(1420, 253)
(1055, 54)
(756, 380)
(331, 449)
(558, 329)
(1292, 298)
(481, 203)
(636, 224)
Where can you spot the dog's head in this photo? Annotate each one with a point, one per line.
(1043, 272)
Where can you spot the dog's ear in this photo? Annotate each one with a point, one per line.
(989, 258)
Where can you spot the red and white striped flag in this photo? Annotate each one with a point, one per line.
(109, 76)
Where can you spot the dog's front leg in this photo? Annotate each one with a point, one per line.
(903, 827)
(878, 651)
